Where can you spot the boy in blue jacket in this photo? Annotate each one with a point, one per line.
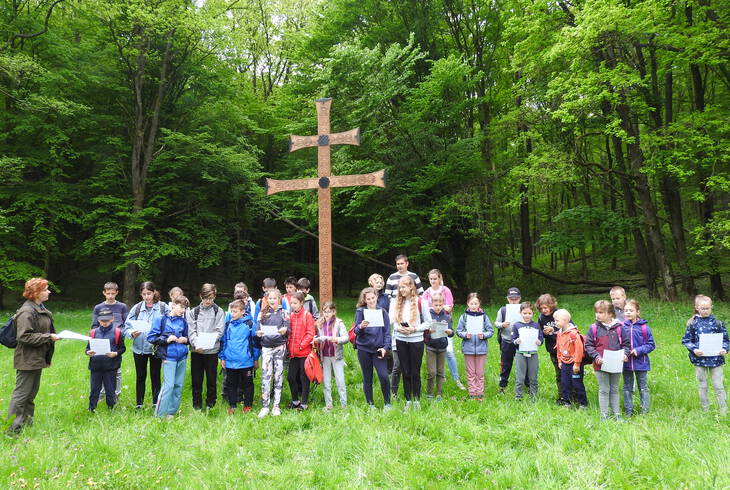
(170, 334)
(239, 356)
(104, 367)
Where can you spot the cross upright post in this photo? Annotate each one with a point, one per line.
(323, 183)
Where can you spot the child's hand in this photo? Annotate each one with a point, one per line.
(576, 369)
(171, 339)
(468, 336)
(112, 354)
(364, 324)
(599, 361)
(723, 352)
(633, 353)
(54, 337)
(135, 334)
(282, 331)
(518, 341)
(432, 330)
(255, 364)
(698, 352)
(182, 340)
(626, 358)
(481, 336)
(260, 333)
(505, 325)
(381, 353)
(548, 330)
(538, 343)
(411, 330)
(90, 353)
(223, 363)
(448, 331)
(200, 351)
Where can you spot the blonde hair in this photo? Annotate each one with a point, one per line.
(635, 303)
(361, 303)
(562, 312)
(327, 305)
(617, 289)
(373, 277)
(266, 309)
(400, 300)
(604, 306)
(437, 272)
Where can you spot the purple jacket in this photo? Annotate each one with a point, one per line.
(641, 339)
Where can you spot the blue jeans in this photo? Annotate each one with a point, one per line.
(171, 393)
(629, 391)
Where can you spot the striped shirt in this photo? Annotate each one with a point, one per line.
(391, 286)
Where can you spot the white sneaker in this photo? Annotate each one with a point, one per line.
(263, 412)
(386, 408)
(460, 385)
(275, 412)
(408, 406)
(416, 405)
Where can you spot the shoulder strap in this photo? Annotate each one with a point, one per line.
(215, 309)
(92, 334)
(594, 329)
(117, 335)
(138, 310)
(196, 312)
(643, 331)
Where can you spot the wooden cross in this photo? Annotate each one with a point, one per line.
(323, 183)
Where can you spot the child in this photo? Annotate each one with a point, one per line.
(303, 286)
(239, 357)
(331, 336)
(240, 291)
(273, 350)
(618, 299)
(372, 344)
(409, 317)
(206, 318)
(146, 311)
(437, 286)
(641, 343)
(526, 357)
(119, 309)
(104, 367)
(301, 334)
(436, 347)
(377, 282)
(547, 304)
(704, 322)
(401, 265)
(606, 334)
(507, 349)
(268, 284)
(175, 292)
(290, 286)
(170, 334)
(570, 359)
(474, 346)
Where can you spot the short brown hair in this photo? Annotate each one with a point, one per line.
(635, 303)
(181, 300)
(304, 283)
(525, 305)
(605, 306)
(111, 285)
(33, 288)
(237, 304)
(361, 300)
(208, 291)
(547, 300)
(472, 296)
(299, 296)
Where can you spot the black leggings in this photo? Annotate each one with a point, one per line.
(368, 360)
(410, 355)
(140, 366)
(298, 381)
(235, 379)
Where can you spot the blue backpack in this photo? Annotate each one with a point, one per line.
(8, 334)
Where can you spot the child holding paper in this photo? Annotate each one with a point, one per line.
(104, 367)
(331, 336)
(272, 326)
(170, 334)
(641, 344)
(507, 349)
(372, 345)
(206, 323)
(436, 345)
(607, 334)
(120, 311)
(527, 336)
(239, 357)
(474, 328)
(703, 323)
(570, 358)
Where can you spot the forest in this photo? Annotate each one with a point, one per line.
(559, 146)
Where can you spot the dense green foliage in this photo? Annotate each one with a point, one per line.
(575, 142)
(497, 443)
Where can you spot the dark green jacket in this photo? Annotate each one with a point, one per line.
(34, 326)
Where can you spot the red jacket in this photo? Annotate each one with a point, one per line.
(301, 326)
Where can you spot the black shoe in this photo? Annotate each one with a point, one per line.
(197, 407)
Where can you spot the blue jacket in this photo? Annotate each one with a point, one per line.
(691, 339)
(383, 301)
(440, 345)
(139, 312)
(637, 331)
(238, 348)
(370, 339)
(173, 325)
(474, 346)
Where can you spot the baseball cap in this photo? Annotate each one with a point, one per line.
(105, 314)
(513, 293)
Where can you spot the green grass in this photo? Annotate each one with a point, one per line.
(496, 443)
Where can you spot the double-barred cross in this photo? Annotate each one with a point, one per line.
(323, 183)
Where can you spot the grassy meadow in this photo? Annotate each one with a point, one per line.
(496, 443)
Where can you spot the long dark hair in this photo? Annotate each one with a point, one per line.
(150, 286)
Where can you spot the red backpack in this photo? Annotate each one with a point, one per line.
(117, 335)
(313, 368)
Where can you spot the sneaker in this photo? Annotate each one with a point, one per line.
(170, 416)
(293, 406)
(328, 408)
(429, 397)
(372, 407)
(386, 408)
(231, 410)
(416, 405)
(138, 407)
(276, 412)
(303, 406)
(501, 390)
(438, 398)
(92, 410)
(408, 406)
(263, 412)
(246, 409)
(460, 385)
(479, 398)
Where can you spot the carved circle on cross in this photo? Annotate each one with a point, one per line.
(323, 140)
(324, 182)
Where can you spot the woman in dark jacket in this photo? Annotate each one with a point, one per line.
(36, 337)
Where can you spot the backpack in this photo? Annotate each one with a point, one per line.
(9, 332)
(159, 350)
(313, 368)
(196, 311)
(586, 359)
(117, 334)
(138, 309)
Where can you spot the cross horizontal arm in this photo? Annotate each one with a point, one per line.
(273, 186)
(376, 179)
(351, 137)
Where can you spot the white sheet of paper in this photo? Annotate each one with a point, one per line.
(140, 325)
(613, 361)
(528, 337)
(439, 328)
(206, 340)
(270, 329)
(710, 344)
(474, 324)
(512, 314)
(99, 346)
(373, 317)
(69, 335)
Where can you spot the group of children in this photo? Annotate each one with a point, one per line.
(396, 321)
